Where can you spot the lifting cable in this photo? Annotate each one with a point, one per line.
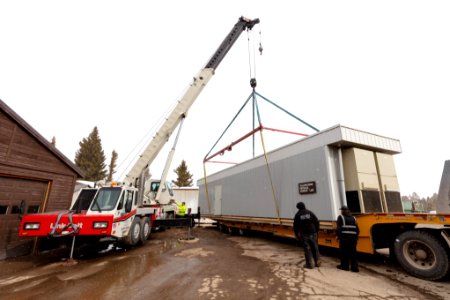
(275, 200)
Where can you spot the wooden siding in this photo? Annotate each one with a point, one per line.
(31, 169)
(17, 148)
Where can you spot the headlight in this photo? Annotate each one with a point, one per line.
(100, 225)
(32, 226)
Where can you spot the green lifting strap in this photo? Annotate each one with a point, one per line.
(292, 115)
(252, 96)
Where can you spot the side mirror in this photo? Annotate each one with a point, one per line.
(22, 209)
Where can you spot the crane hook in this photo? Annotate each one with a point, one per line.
(260, 49)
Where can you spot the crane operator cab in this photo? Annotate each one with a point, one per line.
(152, 188)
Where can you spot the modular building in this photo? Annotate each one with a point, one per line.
(334, 167)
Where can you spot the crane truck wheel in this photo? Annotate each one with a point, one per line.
(134, 235)
(421, 255)
(146, 228)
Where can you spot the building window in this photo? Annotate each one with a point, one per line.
(15, 210)
(33, 209)
(3, 209)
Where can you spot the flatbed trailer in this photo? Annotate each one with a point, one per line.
(377, 231)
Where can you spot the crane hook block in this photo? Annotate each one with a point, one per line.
(260, 49)
(253, 82)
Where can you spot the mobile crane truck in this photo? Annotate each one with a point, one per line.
(127, 211)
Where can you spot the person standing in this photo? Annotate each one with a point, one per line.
(181, 209)
(347, 234)
(306, 227)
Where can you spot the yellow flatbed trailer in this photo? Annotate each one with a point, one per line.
(420, 242)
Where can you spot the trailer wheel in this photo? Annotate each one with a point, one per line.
(223, 228)
(233, 230)
(146, 229)
(421, 255)
(134, 235)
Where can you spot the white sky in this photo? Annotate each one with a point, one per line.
(379, 66)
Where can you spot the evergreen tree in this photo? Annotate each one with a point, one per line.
(184, 176)
(112, 166)
(90, 158)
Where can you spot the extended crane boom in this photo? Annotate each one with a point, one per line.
(126, 212)
(181, 109)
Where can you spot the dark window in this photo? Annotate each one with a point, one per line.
(394, 201)
(154, 187)
(106, 199)
(135, 199)
(120, 205)
(3, 209)
(15, 209)
(353, 201)
(33, 209)
(372, 201)
(84, 199)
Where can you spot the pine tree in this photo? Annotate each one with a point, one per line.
(90, 158)
(184, 176)
(112, 166)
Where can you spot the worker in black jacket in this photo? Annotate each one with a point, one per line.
(347, 234)
(306, 227)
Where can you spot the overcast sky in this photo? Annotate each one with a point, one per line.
(379, 66)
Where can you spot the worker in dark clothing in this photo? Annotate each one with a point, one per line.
(347, 234)
(306, 227)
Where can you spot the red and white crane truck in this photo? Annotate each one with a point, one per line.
(127, 211)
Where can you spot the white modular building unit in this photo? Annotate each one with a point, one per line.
(189, 195)
(334, 167)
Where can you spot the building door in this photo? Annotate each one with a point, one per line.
(218, 200)
(12, 192)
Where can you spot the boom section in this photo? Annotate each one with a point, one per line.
(180, 111)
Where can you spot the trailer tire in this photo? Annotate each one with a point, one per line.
(421, 255)
(223, 228)
(134, 235)
(233, 230)
(146, 229)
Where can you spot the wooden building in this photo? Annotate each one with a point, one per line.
(31, 170)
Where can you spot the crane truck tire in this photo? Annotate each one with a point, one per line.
(421, 255)
(146, 228)
(134, 235)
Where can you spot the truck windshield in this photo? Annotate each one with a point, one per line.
(106, 199)
(84, 199)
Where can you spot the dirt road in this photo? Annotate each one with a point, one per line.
(217, 266)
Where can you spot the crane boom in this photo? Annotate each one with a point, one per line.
(183, 105)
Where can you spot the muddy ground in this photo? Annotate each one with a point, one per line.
(217, 266)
